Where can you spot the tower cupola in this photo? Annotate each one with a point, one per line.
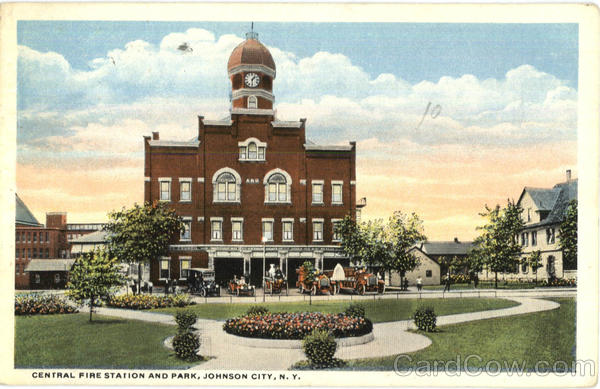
(251, 70)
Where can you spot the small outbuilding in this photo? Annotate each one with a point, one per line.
(428, 270)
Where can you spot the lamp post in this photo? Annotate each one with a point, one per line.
(264, 242)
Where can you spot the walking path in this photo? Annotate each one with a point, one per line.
(390, 338)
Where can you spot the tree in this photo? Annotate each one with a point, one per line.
(534, 261)
(385, 245)
(568, 237)
(142, 234)
(94, 276)
(498, 248)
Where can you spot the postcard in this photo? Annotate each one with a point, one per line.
(261, 194)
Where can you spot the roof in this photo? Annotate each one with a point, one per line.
(50, 265)
(91, 238)
(314, 147)
(563, 193)
(23, 215)
(286, 124)
(447, 248)
(172, 143)
(544, 199)
(250, 52)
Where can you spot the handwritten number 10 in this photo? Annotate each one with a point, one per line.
(433, 112)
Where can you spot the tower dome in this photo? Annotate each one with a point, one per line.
(250, 52)
(251, 70)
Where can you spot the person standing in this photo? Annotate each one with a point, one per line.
(447, 285)
(419, 283)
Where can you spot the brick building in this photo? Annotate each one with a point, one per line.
(40, 250)
(251, 185)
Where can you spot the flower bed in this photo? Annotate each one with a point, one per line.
(297, 325)
(39, 304)
(148, 301)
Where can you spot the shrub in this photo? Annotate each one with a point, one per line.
(185, 320)
(558, 282)
(355, 310)
(458, 278)
(148, 301)
(186, 345)
(425, 319)
(257, 310)
(39, 304)
(319, 347)
(297, 325)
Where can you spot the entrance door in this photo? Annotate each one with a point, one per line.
(256, 273)
(226, 268)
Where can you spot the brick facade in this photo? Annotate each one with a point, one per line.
(243, 172)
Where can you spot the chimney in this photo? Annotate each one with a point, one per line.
(456, 240)
(56, 220)
(568, 175)
(155, 135)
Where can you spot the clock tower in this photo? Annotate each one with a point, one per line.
(251, 70)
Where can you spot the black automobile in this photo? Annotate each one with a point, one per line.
(202, 282)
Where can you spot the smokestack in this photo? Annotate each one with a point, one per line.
(155, 135)
(568, 175)
(456, 240)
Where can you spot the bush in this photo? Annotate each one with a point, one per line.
(185, 320)
(458, 278)
(39, 304)
(355, 310)
(148, 301)
(297, 325)
(425, 319)
(256, 310)
(186, 345)
(319, 347)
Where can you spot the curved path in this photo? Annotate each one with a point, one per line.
(390, 338)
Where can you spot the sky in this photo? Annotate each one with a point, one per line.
(448, 117)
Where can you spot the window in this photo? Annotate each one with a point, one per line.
(165, 265)
(236, 229)
(317, 192)
(216, 229)
(17, 252)
(528, 214)
(336, 192)
(28, 253)
(317, 230)
(47, 240)
(35, 252)
(185, 189)
(428, 273)
(252, 149)
(165, 189)
(267, 230)
(534, 238)
(17, 236)
(524, 267)
(28, 237)
(35, 237)
(550, 238)
(47, 253)
(337, 237)
(288, 230)
(278, 187)
(227, 185)
(57, 278)
(17, 270)
(185, 263)
(186, 233)
(252, 102)
(525, 239)
(36, 278)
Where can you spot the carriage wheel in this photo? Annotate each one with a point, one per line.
(362, 289)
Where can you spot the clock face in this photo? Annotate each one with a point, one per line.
(252, 80)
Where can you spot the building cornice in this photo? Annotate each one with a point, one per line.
(252, 68)
(249, 111)
(236, 94)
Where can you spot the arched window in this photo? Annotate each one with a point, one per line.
(226, 186)
(252, 102)
(278, 184)
(252, 151)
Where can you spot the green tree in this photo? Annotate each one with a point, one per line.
(497, 248)
(142, 234)
(568, 237)
(402, 233)
(95, 275)
(534, 261)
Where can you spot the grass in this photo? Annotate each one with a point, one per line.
(56, 341)
(484, 285)
(378, 311)
(543, 336)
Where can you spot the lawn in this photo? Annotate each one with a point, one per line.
(378, 311)
(55, 341)
(543, 336)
